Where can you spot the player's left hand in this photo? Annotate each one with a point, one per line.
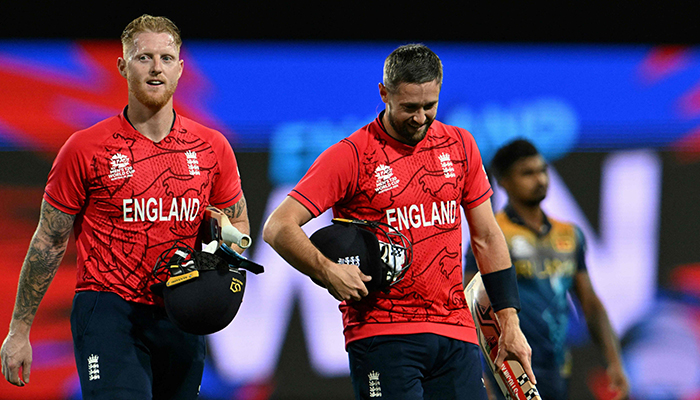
(618, 381)
(512, 343)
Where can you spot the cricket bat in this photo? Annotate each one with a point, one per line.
(511, 377)
(216, 226)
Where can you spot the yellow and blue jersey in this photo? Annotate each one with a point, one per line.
(546, 263)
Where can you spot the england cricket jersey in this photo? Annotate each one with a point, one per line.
(134, 198)
(417, 190)
(546, 263)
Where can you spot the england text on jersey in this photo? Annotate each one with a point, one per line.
(151, 209)
(415, 215)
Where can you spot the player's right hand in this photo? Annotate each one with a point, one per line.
(16, 355)
(346, 282)
(512, 343)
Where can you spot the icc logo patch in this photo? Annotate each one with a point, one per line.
(120, 167)
(385, 178)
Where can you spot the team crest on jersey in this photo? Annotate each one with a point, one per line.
(385, 178)
(564, 244)
(447, 167)
(192, 162)
(120, 167)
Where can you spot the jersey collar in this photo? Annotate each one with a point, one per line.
(517, 219)
(129, 127)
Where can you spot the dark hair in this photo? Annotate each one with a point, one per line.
(411, 63)
(507, 155)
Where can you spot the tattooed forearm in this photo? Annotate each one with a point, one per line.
(45, 253)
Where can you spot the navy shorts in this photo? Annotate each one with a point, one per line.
(417, 366)
(126, 350)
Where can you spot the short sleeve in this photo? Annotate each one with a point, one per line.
(477, 188)
(67, 180)
(226, 190)
(331, 179)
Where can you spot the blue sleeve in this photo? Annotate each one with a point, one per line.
(470, 261)
(580, 250)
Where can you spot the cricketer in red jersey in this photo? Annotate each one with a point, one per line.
(435, 176)
(135, 197)
(412, 172)
(129, 187)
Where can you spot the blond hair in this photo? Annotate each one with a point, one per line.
(149, 23)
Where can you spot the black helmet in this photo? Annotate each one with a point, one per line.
(203, 291)
(378, 249)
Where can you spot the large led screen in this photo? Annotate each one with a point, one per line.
(620, 126)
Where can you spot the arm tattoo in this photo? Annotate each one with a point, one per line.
(45, 253)
(237, 210)
(238, 216)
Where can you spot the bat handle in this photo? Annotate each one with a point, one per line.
(232, 235)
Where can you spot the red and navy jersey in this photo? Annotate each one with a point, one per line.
(134, 198)
(417, 190)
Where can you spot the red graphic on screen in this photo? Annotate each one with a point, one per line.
(53, 373)
(662, 63)
(41, 106)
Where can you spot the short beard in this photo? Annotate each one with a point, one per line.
(411, 139)
(155, 103)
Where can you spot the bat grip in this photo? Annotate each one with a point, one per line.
(232, 235)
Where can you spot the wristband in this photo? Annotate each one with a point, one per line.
(502, 289)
